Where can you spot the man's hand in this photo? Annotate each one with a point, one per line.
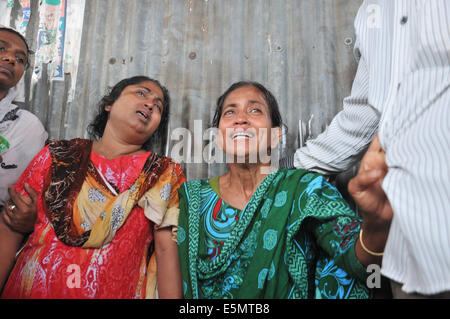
(366, 189)
(23, 216)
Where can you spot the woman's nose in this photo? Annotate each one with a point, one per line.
(149, 105)
(241, 118)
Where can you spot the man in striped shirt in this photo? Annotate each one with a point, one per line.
(401, 91)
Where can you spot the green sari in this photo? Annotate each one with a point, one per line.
(294, 239)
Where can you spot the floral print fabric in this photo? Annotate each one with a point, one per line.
(47, 268)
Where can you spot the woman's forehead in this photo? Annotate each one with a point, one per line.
(149, 86)
(246, 92)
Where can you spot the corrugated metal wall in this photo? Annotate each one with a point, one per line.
(300, 49)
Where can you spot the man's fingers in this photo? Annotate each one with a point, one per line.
(31, 192)
(9, 215)
(364, 180)
(375, 144)
(15, 196)
(382, 158)
(373, 161)
(6, 217)
(21, 201)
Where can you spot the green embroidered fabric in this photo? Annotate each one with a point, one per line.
(294, 239)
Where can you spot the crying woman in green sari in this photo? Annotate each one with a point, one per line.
(257, 232)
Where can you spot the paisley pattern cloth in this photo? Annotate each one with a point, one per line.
(78, 204)
(48, 268)
(293, 239)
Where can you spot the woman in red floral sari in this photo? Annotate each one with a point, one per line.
(101, 206)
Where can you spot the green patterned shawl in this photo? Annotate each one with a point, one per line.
(294, 239)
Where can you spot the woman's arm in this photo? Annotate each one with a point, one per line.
(13, 227)
(168, 265)
(15, 224)
(374, 242)
(376, 211)
(10, 242)
(168, 269)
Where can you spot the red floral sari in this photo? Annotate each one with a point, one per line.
(48, 268)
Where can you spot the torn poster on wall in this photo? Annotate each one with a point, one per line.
(51, 36)
(5, 11)
(26, 14)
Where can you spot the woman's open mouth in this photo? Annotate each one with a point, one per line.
(242, 135)
(144, 116)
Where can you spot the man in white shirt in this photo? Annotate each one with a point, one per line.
(402, 92)
(22, 135)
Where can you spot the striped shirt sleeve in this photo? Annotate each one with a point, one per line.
(340, 146)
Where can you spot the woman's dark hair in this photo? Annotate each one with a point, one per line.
(271, 101)
(24, 41)
(97, 126)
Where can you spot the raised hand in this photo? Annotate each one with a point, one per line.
(20, 212)
(366, 189)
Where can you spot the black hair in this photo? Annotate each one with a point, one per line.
(97, 127)
(271, 101)
(24, 41)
